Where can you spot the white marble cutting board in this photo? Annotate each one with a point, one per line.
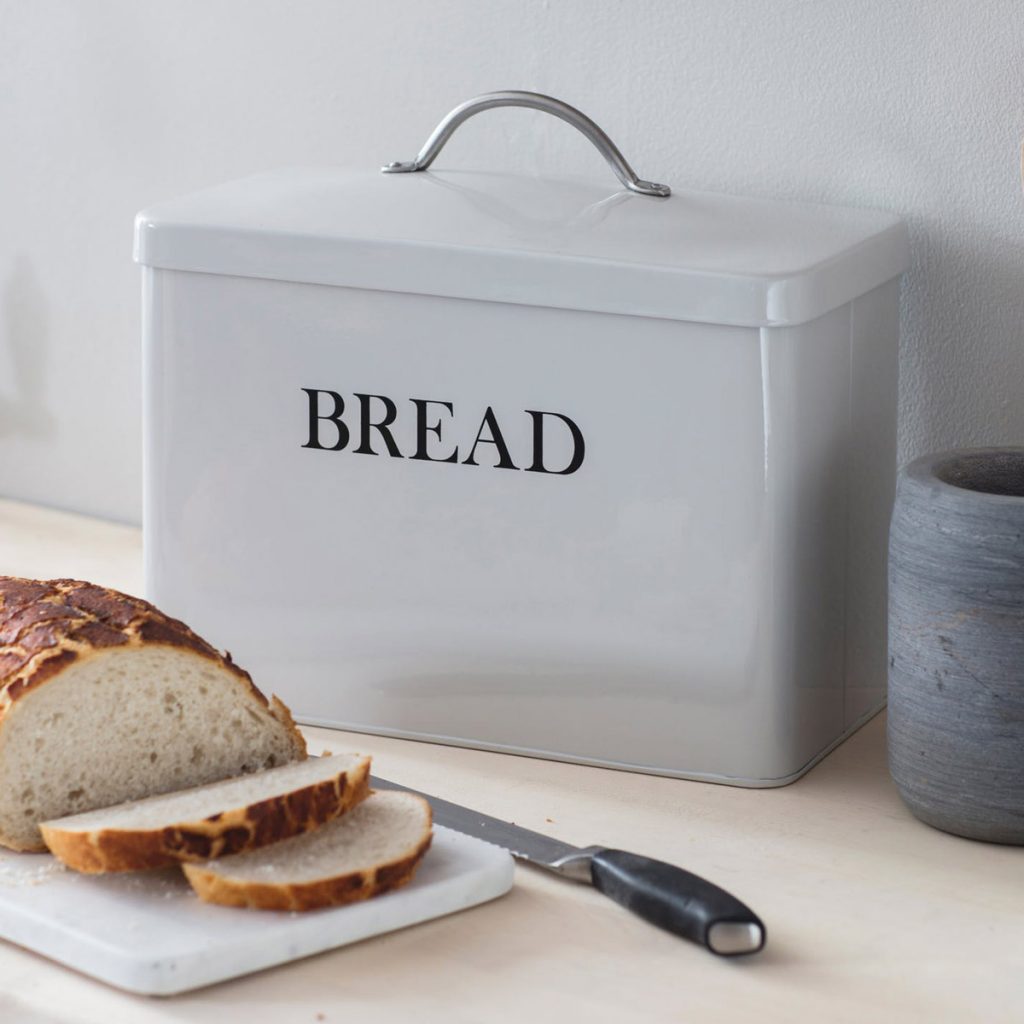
(149, 933)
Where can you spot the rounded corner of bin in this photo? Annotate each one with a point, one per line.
(145, 225)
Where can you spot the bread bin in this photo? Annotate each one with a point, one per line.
(535, 465)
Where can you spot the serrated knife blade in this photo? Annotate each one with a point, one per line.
(663, 894)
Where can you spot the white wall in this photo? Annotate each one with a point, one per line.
(109, 105)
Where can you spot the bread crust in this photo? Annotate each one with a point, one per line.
(45, 625)
(351, 887)
(232, 831)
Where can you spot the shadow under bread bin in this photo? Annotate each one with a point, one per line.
(540, 466)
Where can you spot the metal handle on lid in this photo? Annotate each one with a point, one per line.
(535, 101)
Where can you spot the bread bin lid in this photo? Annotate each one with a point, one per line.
(586, 245)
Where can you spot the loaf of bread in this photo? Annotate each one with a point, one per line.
(220, 818)
(373, 849)
(104, 699)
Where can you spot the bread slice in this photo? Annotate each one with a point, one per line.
(104, 699)
(213, 820)
(372, 849)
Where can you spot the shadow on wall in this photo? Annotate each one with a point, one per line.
(24, 339)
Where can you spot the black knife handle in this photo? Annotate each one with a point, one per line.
(678, 901)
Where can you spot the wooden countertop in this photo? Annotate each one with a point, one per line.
(871, 915)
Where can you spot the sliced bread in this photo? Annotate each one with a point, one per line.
(103, 699)
(213, 820)
(372, 849)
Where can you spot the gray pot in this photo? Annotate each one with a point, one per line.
(956, 642)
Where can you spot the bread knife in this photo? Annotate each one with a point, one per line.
(663, 894)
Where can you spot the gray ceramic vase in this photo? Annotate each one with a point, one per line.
(956, 642)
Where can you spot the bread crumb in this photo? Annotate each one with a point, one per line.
(28, 869)
(550, 821)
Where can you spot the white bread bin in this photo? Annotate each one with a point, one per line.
(540, 466)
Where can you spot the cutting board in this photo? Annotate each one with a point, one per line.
(149, 933)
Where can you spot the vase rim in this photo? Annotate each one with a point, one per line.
(978, 469)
